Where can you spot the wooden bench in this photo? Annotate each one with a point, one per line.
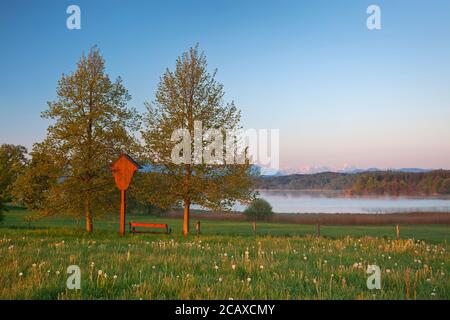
(164, 226)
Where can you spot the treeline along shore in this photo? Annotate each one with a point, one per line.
(376, 183)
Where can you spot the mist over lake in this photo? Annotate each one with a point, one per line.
(297, 201)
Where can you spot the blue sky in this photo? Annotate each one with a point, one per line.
(340, 94)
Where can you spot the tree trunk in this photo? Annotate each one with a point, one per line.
(187, 205)
(122, 212)
(89, 227)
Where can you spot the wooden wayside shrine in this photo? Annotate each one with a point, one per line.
(123, 170)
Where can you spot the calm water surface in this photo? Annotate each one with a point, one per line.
(329, 202)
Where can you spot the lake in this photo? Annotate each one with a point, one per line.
(333, 202)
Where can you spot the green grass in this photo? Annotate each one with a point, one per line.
(226, 261)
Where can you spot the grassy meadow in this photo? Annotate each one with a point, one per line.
(284, 261)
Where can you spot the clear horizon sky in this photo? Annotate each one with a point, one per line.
(340, 94)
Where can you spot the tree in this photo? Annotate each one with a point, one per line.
(259, 209)
(2, 208)
(185, 97)
(69, 172)
(31, 188)
(12, 162)
(445, 186)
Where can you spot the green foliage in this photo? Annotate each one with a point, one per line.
(318, 181)
(366, 183)
(259, 209)
(444, 186)
(12, 163)
(402, 183)
(187, 94)
(31, 188)
(2, 208)
(91, 126)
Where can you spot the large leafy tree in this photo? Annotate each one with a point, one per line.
(187, 95)
(91, 125)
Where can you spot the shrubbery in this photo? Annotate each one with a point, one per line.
(259, 209)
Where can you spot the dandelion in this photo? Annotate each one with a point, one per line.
(216, 267)
(20, 274)
(92, 264)
(388, 270)
(220, 279)
(57, 272)
(100, 272)
(34, 265)
(153, 267)
(249, 279)
(261, 267)
(115, 277)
